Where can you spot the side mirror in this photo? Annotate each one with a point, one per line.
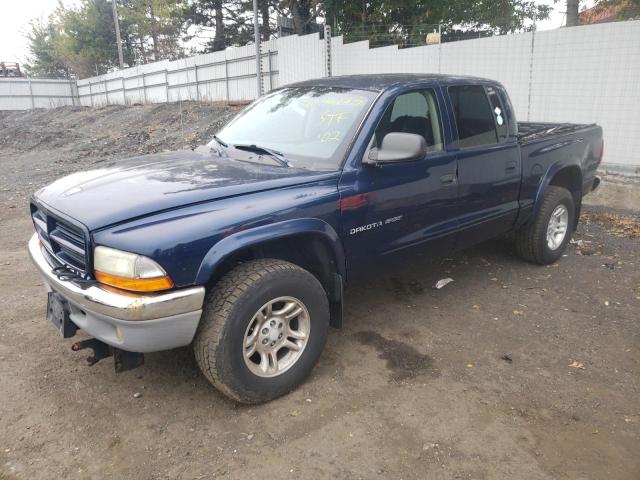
(398, 147)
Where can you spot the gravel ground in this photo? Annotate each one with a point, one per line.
(510, 371)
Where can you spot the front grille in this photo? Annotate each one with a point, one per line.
(63, 240)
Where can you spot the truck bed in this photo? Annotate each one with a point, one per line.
(543, 145)
(531, 131)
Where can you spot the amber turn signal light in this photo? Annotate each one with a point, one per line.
(155, 284)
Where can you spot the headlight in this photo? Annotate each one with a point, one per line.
(129, 271)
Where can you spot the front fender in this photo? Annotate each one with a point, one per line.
(273, 231)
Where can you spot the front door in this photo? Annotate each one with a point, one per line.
(390, 207)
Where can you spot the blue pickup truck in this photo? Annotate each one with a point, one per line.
(242, 248)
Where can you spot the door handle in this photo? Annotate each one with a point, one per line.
(511, 166)
(448, 179)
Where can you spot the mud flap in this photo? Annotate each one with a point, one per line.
(336, 304)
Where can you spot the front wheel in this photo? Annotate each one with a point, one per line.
(262, 330)
(544, 239)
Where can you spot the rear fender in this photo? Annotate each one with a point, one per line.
(548, 179)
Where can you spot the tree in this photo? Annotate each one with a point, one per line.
(206, 15)
(572, 12)
(155, 27)
(305, 12)
(409, 21)
(265, 7)
(229, 22)
(82, 39)
(43, 60)
(86, 42)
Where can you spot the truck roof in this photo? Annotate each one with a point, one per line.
(384, 81)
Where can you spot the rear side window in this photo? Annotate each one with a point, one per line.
(474, 116)
(498, 113)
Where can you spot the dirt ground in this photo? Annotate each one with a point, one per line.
(512, 371)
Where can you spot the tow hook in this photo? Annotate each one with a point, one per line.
(123, 360)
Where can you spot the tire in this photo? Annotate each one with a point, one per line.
(531, 240)
(230, 317)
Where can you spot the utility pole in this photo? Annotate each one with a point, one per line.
(118, 39)
(256, 34)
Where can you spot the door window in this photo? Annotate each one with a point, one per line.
(413, 112)
(474, 116)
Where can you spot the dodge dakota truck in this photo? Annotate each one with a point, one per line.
(243, 248)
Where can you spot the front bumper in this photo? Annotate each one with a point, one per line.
(128, 321)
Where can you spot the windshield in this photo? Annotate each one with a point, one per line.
(310, 126)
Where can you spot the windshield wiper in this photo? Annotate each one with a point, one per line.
(279, 157)
(216, 148)
(217, 139)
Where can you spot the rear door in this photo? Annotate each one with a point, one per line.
(489, 167)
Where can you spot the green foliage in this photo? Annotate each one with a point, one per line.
(207, 16)
(228, 22)
(86, 39)
(154, 27)
(408, 22)
(43, 61)
(81, 39)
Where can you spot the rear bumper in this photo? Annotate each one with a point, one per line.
(136, 323)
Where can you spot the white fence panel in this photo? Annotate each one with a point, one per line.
(24, 93)
(592, 74)
(226, 75)
(347, 59)
(133, 89)
(506, 59)
(582, 74)
(301, 58)
(418, 59)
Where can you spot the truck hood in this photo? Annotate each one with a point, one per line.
(139, 186)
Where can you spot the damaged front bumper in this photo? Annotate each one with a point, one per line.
(126, 321)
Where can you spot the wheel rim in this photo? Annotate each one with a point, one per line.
(276, 336)
(558, 226)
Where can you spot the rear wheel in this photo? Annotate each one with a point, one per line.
(262, 330)
(544, 239)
